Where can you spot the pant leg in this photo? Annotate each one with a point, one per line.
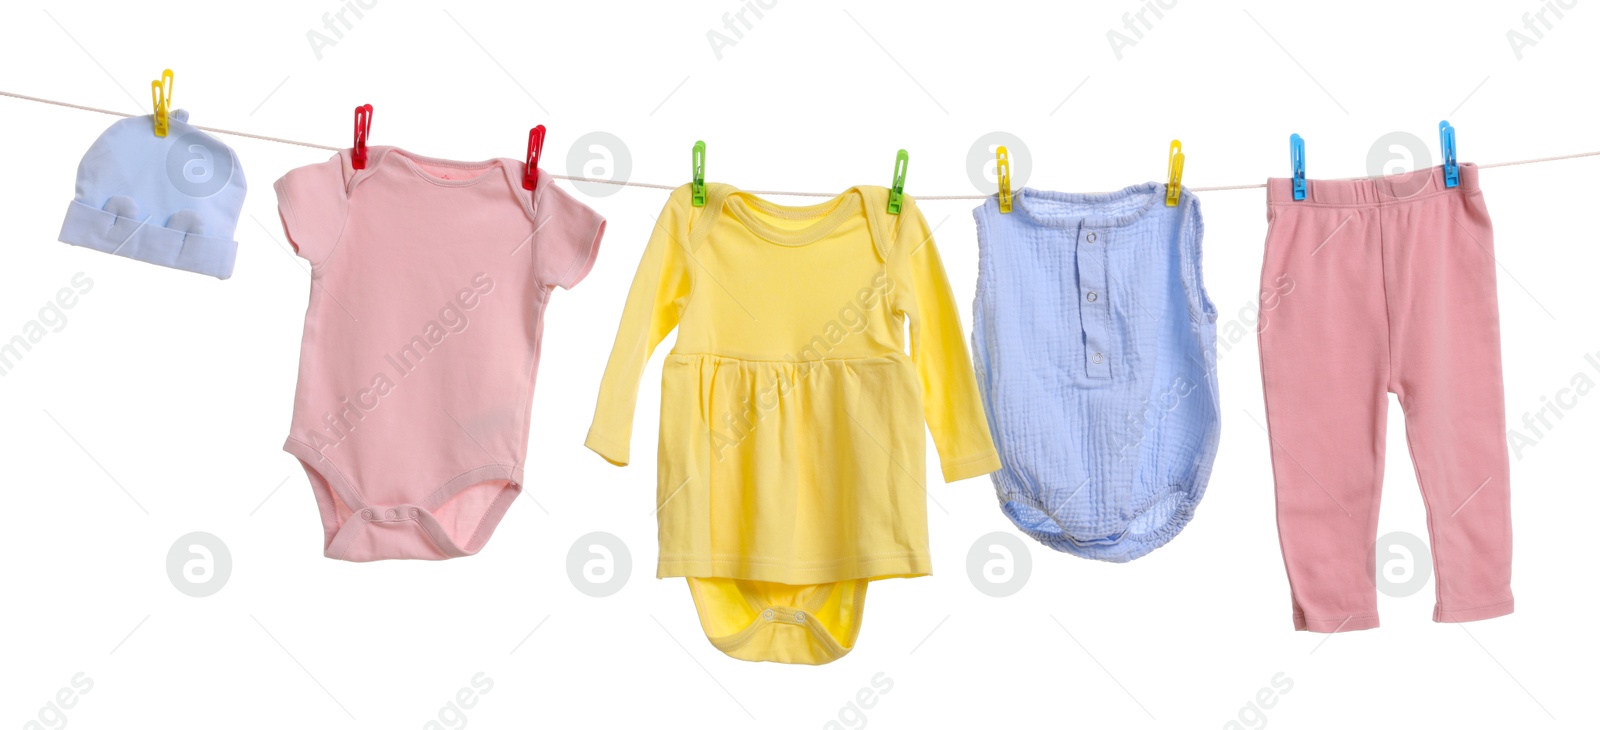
(1324, 368)
(1447, 374)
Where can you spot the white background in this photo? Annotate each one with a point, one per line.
(159, 407)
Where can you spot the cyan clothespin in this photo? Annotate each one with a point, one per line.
(1297, 163)
(1447, 144)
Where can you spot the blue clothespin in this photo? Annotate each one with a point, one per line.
(1297, 162)
(1447, 143)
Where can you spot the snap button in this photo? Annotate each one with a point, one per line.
(799, 617)
(768, 614)
(1091, 237)
(366, 514)
(1093, 296)
(1096, 358)
(413, 511)
(391, 514)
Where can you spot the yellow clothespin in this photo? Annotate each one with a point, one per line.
(161, 96)
(1002, 166)
(1174, 173)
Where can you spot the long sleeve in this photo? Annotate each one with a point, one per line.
(950, 399)
(655, 300)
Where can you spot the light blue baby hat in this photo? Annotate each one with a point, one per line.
(172, 201)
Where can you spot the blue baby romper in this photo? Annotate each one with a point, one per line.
(1095, 346)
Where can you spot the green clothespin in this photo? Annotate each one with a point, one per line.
(897, 189)
(699, 157)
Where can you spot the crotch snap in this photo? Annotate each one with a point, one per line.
(784, 614)
(400, 513)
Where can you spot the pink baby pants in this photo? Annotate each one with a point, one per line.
(1371, 287)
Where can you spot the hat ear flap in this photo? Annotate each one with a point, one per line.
(188, 221)
(122, 206)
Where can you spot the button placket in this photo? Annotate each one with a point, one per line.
(1094, 315)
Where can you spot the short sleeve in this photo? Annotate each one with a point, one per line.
(566, 237)
(313, 203)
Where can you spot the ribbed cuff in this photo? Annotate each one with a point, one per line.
(1335, 625)
(615, 452)
(971, 466)
(1476, 613)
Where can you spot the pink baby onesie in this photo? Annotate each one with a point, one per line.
(429, 281)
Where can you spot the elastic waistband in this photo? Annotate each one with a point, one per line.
(1387, 190)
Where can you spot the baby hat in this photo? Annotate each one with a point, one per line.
(170, 200)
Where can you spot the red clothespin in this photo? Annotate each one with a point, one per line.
(358, 154)
(530, 170)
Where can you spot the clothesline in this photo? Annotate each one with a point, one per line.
(659, 186)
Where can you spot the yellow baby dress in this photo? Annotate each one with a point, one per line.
(792, 448)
